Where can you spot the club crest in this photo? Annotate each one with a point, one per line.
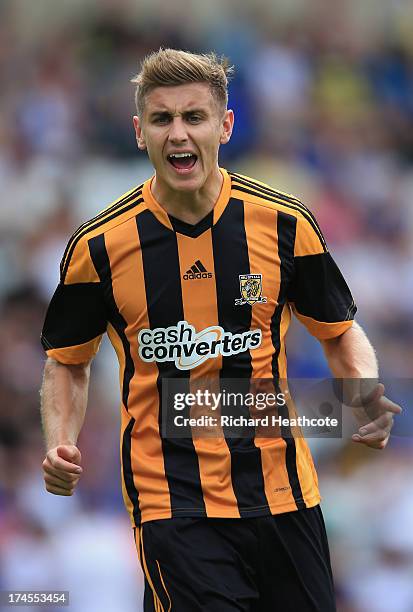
(250, 286)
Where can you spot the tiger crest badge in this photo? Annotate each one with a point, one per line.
(250, 286)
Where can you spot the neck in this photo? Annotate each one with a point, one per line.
(189, 206)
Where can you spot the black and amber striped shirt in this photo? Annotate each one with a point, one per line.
(133, 269)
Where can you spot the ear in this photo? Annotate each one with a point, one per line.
(139, 134)
(227, 127)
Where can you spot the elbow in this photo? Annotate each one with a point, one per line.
(333, 344)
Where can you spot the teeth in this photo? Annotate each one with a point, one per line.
(181, 155)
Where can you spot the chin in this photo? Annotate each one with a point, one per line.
(186, 184)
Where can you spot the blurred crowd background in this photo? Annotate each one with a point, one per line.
(323, 96)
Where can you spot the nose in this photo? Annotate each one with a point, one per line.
(177, 131)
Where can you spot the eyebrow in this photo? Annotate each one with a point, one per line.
(167, 114)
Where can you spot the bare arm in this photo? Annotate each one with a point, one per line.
(63, 406)
(351, 357)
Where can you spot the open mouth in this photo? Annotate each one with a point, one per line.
(182, 161)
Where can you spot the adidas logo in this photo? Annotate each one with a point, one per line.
(197, 271)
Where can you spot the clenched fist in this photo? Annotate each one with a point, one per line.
(62, 470)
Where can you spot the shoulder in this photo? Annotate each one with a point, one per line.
(257, 193)
(117, 212)
(261, 194)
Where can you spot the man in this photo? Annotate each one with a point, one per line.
(193, 275)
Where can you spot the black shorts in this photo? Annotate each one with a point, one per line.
(277, 563)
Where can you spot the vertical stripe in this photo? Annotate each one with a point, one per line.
(305, 467)
(155, 588)
(125, 417)
(286, 231)
(127, 470)
(150, 597)
(163, 584)
(262, 240)
(165, 308)
(125, 256)
(136, 535)
(158, 605)
(101, 262)
(282, 356)
(199, 295)
(231, 260)
(264, 259)
(200, 309)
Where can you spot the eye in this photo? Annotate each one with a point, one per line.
(194, 118)
(161, 120)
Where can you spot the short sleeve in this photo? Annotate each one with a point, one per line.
(76, 317)
(318, 293)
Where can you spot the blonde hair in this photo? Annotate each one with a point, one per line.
(169, 67)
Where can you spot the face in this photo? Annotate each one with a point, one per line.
(182, 129)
